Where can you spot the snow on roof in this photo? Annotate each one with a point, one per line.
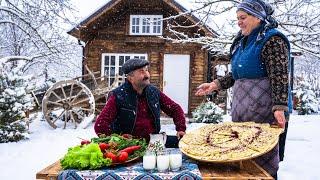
(183, 5)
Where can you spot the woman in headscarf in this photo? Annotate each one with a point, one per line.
(260, 57)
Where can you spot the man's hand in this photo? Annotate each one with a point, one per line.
(206, 88)
(280, 118)
(180, 134)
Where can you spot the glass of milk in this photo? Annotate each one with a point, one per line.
(163, 161)
(175, 159)
(149, 161)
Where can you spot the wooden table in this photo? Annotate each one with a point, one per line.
(249, 170)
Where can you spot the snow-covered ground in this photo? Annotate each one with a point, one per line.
(22, 160)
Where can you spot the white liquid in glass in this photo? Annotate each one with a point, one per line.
(163, 163)
(149, 162)
(175, 161)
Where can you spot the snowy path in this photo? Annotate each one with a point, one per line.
(302, 149)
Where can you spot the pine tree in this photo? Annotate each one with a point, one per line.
(14, 102)
(207, 112)
(308, 103)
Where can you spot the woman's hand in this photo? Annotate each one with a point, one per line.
(280, 118)
(180, 134)
(206, 88)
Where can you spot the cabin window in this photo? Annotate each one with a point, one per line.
(111, 64)
(146, 24)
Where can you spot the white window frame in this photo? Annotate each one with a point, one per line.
(156, 21)
(116, 65)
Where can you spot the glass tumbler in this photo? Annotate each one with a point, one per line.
(175, 159)
(163, 161)
(149, 161)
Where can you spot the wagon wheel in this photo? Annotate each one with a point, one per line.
(68, 101)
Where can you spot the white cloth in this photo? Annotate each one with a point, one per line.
(221, 69)
(229, 68)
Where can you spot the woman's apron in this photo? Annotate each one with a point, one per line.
(252, 102)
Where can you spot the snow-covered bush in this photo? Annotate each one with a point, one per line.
(307, 101)
(207, 112)
(14, 102)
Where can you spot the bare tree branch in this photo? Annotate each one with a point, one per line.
(298, 19)
(35, 29)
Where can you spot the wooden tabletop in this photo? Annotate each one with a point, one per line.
(49, 173)
(244, 170)
(236, 171)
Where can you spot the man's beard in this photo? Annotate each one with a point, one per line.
(145, 81)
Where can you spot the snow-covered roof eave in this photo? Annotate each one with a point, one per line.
(75, 31)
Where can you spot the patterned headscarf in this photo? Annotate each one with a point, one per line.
(261, 10)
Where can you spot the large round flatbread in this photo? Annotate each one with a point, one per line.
(229, 142)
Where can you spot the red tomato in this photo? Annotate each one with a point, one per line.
(123, 156)
(111, 156)
(85, 142)
(127, 136)
(103, 146)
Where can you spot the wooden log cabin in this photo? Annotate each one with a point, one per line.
(124, 29)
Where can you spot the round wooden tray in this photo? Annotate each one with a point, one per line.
(198, 158)
(205, 159)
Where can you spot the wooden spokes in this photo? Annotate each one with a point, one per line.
(68, 102)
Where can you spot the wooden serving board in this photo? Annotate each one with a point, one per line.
(228, 171)
(49, 173)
